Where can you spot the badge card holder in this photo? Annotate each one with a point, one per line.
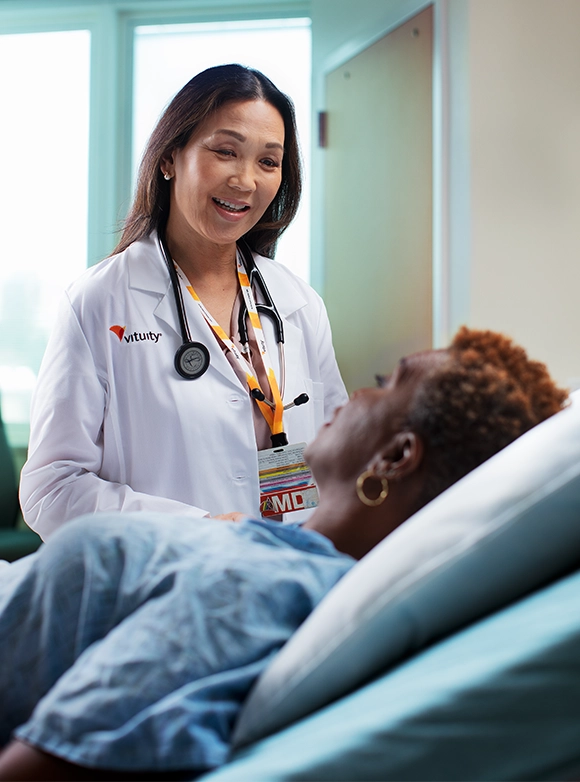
(286, 482)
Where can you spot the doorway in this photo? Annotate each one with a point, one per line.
(378, 202)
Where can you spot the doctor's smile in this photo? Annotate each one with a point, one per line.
(230, 206)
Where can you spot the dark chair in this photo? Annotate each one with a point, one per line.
(15, 542)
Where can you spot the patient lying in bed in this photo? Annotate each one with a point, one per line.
(129, 642)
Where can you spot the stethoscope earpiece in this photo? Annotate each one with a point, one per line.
(259, 396)
(301, 399)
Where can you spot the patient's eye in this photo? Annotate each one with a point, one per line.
(382, 380)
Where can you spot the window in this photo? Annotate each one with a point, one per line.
(44, 137)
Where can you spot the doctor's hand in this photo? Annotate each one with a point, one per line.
(231, 516)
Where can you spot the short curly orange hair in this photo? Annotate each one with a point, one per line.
(483, 398)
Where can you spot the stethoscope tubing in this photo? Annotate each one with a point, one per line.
(269, 308)
(179, 303)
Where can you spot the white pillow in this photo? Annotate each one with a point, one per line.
(505, 529)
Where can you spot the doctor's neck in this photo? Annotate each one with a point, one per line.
(211, 271)
(200, 258)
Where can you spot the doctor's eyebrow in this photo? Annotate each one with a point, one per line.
(241, 137)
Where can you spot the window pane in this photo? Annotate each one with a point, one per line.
(44, 104)
(167, 56)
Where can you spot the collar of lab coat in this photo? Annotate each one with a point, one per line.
(148, 272)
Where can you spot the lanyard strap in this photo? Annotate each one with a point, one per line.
(273, 415)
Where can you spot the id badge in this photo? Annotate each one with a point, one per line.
(286, 482)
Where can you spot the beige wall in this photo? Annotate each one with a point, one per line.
(507, 158)
(378, 202)
(340, 30)
(524, 63)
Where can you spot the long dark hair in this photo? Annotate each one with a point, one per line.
(200, 97)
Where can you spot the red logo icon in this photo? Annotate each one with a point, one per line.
(118, 330)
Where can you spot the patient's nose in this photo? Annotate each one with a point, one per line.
(359, 392)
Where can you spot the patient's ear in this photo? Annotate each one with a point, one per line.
(401, 457)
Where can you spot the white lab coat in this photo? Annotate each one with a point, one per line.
(115, 428)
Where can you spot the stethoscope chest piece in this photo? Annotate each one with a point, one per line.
(192, 360)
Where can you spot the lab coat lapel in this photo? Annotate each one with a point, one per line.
(201, 332)
(299, 422)
(288, 299)
(148, 273)
(285, 293)
(294, 355)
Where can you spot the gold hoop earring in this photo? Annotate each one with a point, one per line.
(361, 493)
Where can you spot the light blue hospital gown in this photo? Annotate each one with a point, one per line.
(130, 641)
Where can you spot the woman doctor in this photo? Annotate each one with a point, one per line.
(166, 373)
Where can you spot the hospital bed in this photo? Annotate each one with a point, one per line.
(451, 651)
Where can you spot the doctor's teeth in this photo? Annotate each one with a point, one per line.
(233, 207)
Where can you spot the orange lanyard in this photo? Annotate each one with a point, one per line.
(273, 412)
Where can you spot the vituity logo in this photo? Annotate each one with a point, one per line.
(118, 330)
(136, 336)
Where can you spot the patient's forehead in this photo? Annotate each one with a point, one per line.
(414, 367)
(427, 357)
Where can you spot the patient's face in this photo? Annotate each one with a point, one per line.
(345, 445)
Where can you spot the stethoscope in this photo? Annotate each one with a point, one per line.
(192, 358)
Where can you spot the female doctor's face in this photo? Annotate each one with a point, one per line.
(227, 174)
